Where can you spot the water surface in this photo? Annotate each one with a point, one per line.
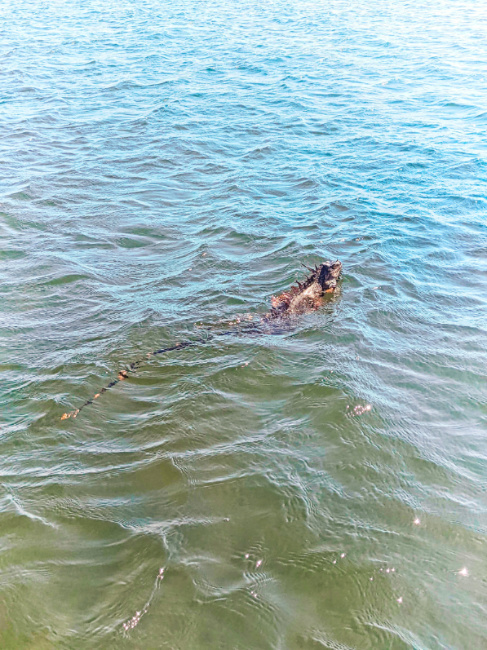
(170, 164)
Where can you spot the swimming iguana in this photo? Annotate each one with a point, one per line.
(308, 295)
(300, 298)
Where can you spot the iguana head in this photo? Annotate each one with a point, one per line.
(307, 295)
(328, 274)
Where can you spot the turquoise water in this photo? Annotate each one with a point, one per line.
(166, 165)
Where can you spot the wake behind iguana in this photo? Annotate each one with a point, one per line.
(302, 297)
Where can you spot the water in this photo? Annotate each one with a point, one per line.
(167, 164)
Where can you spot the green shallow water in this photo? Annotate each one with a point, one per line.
(164, 170)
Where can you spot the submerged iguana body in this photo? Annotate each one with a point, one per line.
(300, 298)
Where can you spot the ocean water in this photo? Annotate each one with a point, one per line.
(165, 168)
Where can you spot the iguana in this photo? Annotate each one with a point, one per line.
(308, 295)
(300, 298)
